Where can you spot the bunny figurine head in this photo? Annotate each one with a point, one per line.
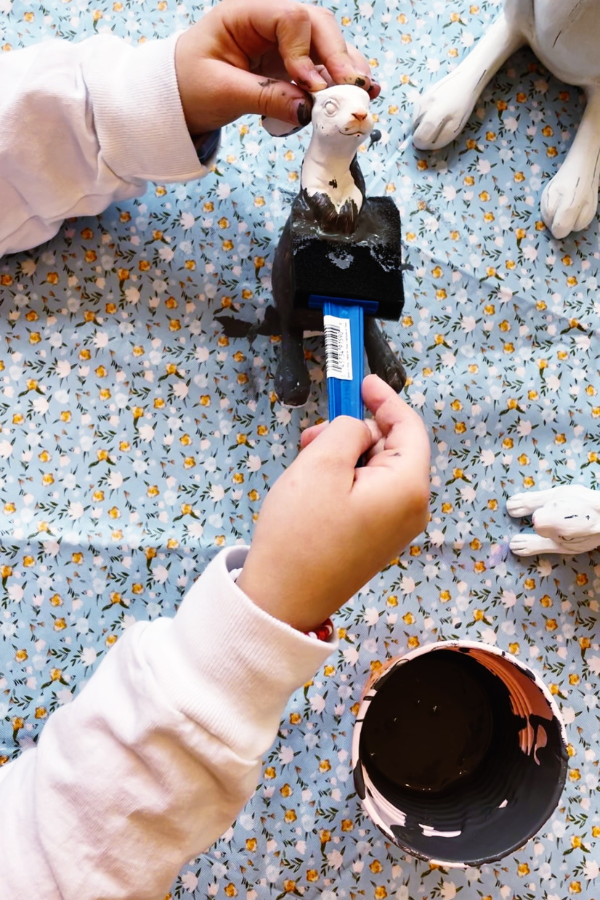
(341, 118)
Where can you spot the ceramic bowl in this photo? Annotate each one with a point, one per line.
(459, 753)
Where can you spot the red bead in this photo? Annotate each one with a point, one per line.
(324, 631)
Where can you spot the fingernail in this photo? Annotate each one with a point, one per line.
(303, 111)
(374, 87)
(317, 82)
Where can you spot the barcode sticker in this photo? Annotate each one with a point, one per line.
(338, 347)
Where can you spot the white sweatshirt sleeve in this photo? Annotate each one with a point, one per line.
(155, 757)
(83, 125)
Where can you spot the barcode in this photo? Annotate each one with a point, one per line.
(338, 347)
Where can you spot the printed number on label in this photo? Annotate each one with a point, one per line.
(338, 347)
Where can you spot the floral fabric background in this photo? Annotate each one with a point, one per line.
(136, 440)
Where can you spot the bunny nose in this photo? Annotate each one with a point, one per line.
(361, 116)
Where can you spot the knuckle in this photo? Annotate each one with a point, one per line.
(326, 14)
(297, 15)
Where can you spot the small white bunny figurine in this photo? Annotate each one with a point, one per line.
(565, 36)
(566, 520)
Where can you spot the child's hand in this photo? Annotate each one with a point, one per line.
(241, 56)
(327, 527)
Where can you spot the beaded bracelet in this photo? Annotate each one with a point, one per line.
(323, 632)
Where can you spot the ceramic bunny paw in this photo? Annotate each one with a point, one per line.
(565, 35)
(441, 113)
(569, 202)
(566, 520)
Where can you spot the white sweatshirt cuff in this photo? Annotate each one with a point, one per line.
(137, 110)
(249, 661)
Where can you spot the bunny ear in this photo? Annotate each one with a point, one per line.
(279, 128)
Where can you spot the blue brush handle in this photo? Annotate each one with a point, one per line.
(345, 347)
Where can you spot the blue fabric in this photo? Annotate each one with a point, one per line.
(136, 440)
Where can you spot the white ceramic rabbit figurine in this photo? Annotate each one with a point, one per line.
(565, 35)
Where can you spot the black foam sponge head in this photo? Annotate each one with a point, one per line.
(364, 265)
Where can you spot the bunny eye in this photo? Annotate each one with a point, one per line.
(330, 107)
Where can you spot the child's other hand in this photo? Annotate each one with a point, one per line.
(241, 56)
(327, 527)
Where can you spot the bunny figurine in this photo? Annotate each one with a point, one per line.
(566, 520)
(565, 35)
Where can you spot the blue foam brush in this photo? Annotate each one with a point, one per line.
(343, 321)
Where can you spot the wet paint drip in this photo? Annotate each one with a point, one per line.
(430, 724)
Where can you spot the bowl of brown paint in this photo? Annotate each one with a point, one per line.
(459, 753)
